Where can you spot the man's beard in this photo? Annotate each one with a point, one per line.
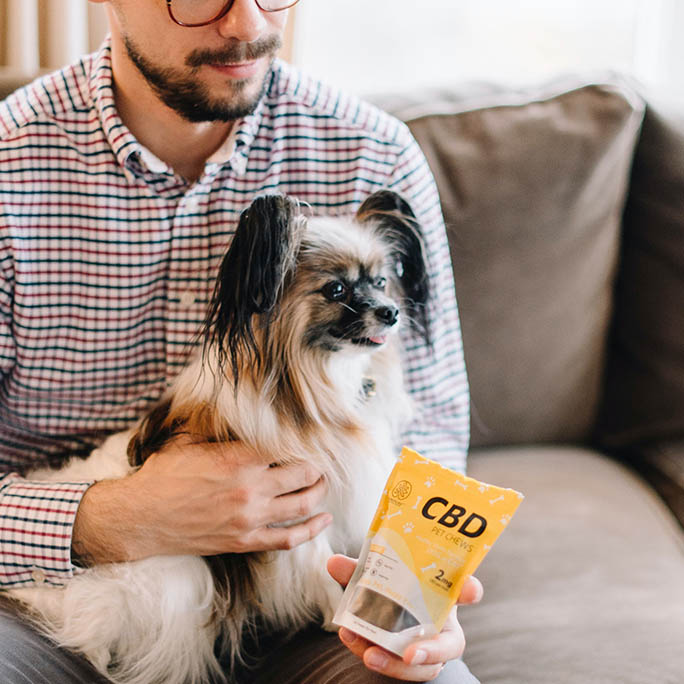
(191, 99)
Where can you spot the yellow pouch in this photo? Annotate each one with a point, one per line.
(431, 530)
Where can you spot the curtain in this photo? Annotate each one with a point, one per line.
(659, 53)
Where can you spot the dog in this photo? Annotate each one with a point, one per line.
(299, 359)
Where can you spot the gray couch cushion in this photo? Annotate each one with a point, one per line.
(532, 186)
(645, 388)
(586, 583)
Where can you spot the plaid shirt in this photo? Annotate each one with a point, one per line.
(107, 262)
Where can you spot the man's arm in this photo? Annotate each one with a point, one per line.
(36, 518)
(201, 499)
(191, 499)
(435, 373)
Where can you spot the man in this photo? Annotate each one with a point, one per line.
(121, 180)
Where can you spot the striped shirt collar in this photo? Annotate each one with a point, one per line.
(137, 160)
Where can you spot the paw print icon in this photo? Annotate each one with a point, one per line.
(430, 482)
(408, 528)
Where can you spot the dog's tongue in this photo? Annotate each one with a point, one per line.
(379, 339)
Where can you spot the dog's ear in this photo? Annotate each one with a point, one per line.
(392, 215)
(152, 434)
(253, 274)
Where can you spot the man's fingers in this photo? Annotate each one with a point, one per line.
(422, 661)
(354, 642)
(379, 660)
(258, 511)
(341, 568)
(281, 480)
(449, 644)
(272, 538)
(296, 505)
(471, 592)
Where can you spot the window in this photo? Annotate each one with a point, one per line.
(371, 46)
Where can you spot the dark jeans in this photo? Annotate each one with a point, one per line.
(312, 657)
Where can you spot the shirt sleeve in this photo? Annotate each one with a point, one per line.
(36, 522)
(435, 373)
(36, 518)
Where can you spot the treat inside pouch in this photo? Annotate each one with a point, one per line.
(431, 530)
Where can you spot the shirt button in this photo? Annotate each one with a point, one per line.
(38, 575)
(240, 165)
(187, 299)
(192, 204)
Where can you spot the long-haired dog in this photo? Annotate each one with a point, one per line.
(299, 361)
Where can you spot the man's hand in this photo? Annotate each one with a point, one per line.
(422, 661)
(201, 499)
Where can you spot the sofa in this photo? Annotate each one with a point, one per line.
(564, 206)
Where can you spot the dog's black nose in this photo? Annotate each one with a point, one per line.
(387, 314)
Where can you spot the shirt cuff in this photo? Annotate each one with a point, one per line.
(36, 526)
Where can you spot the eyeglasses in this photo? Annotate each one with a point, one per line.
(192, 13)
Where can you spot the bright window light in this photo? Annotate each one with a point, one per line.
(372, 46)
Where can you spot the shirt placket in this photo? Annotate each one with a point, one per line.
(188, 277)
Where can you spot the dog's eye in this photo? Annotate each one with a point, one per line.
(334, 291)
(380, 283)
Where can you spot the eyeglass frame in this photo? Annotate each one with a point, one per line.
(226, 8)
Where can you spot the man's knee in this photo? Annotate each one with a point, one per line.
(316, 657)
